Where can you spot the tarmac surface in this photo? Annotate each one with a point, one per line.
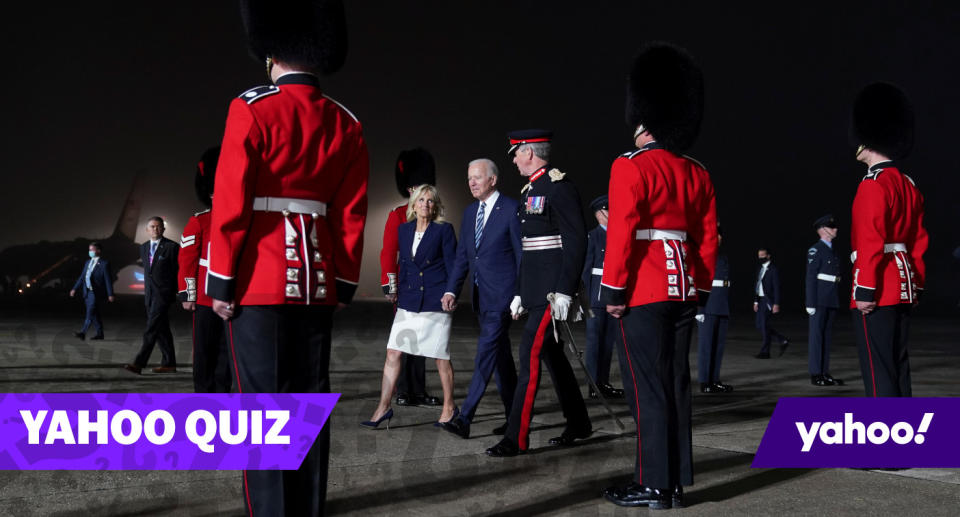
(416, 469)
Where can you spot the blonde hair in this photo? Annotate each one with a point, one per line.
(437, 204)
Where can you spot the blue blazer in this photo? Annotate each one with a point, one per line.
(771, 284)
(422, 278)
(100, 279)
(596, 248)
(495, 262)
(821, 293)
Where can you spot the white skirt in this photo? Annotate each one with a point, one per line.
(425, 334)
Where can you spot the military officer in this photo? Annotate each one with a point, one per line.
(823, 276)
(661, 253)
(713, 320)
(888, 240)
(211, 369)
(601, 327)
(553, 242)
(289, 207)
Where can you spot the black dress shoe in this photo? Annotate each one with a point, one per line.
(677, 497)
(132, 368)
(608, 392)
(763, 355)
(404, 399)
(838, 382)
(80, 335)
(98, 336)
(505, 449)
(639, 495)
(427, 400)
(500, 430)
(783, 346)
(458, 427)
(569, 435)
(715, 387)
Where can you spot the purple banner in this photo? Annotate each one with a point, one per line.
(862, 433)
(159, 431)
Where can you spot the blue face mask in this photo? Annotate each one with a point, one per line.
(92, 254)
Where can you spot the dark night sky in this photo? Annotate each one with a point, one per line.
(101, 90)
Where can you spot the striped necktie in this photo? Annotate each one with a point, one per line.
(479, 229)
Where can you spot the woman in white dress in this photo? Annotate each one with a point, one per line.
(427, 248)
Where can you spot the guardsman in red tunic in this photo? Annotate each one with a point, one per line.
(211, 367)
(414, 167)
(660, 259)
(888, 240)
(289, 207)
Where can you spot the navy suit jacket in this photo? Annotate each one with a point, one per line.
(596, 248)
(160, 278)
(821, 293)
(101, 279)
(422, 278)
(495, 262)
(771, 284)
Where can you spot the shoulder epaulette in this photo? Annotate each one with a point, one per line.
(911, 180)
(556, 175)
(198, 214)
(696, 161)
(254, 94)
(872, 175)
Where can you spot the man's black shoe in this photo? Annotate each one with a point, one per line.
(838, 382)
(569, 435)
(458, 427)
(505, 449)
(404, 399)
(427, 400)
(715, 387)
(98, 336)
(638, 495)
(608, 392)
(819, 380)
(500, 430)
(783, 346)
(677, 497)
(80, 335)
(763, 355)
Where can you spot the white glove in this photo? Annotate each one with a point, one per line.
(700, 317)
(515, 308)
(560, 306)
(811, 311)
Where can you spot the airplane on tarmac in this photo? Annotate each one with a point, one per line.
(32, 268)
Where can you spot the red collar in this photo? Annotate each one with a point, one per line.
(536, 175)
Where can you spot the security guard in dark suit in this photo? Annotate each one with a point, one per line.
(823, 277)
(554, 243)
(601, 327)
(713, 319)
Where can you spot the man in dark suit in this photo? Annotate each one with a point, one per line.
(601, 327)
(823, 277)
(766, 302)
(490, 248)
(712, 322)
(159, 258)
(95, 283)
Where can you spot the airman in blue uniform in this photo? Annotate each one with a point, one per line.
(822, 300)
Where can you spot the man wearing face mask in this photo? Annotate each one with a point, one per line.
(766, 302)
(95, 284)
(823, 276)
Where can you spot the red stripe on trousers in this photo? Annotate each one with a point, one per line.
(532, 379)
(636, 399)
(233, 353)
(866, 339)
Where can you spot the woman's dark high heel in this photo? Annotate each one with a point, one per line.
(456, 413)
(375, 424)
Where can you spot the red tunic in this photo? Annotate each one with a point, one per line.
(655, 189)
(288, 141)
(192, 274)
(388, 254)
(888, 238)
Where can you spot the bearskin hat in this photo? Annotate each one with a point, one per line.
(206, 170)
(665, 94)
(882, 120)
(414, 167)
(310, 33)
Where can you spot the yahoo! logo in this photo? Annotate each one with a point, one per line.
(850, 432)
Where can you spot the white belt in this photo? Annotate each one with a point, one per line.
(892, 247)
(651, 234)
(204, 262)
(546, 242)
(722, 283)
(828, 278)
(598, 271)
(289, 204)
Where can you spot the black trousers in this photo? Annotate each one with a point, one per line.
(764, 313)
(821, 335)
(211, 355)
(882, 343)
(711, 340)
(539, 344)
(158, 332)
(655, 341)
(601, 331)
(285, 349)
(413, 372)
(91, 302)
